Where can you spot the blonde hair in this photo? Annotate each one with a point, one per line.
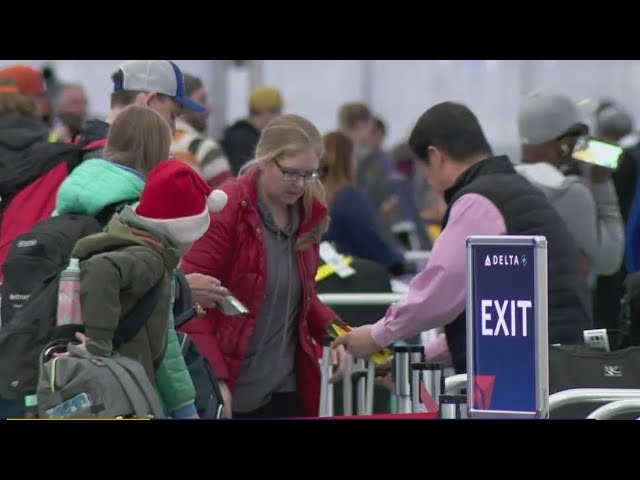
(286, 136)
(352, 113)
(139, 138)
(336, 164)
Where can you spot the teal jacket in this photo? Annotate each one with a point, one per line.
(92, 186)
(96, 184)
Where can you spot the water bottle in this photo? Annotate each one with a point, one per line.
(69, 295)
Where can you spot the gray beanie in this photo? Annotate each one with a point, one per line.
(545, 115)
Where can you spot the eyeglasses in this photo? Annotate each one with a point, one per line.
(292, 176)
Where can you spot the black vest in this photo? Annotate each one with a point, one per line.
(526, 211)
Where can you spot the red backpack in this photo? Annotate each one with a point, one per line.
(28, 188)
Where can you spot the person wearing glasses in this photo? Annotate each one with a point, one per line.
(550, 125)
(264, 247)
(355, 229)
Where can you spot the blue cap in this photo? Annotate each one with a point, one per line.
(161, 76)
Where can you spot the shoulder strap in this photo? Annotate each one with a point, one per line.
(109, 211)
(132, 322)
(184, 317)
(141, 394)
(183, 309)
(214, 385)
(183, 292)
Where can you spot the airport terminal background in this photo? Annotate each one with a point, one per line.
(398, 92)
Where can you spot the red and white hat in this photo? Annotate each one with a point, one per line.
(177, 201)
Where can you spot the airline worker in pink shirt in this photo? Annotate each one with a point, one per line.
(485, 196)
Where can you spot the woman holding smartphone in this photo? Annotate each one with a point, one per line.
(264, 249)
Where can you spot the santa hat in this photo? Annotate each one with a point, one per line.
(176, 200)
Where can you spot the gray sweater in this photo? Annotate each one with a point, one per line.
(269, 366)
(592, 214)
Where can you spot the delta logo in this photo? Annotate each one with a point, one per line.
(505, 260)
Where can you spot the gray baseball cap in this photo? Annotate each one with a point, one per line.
(162, 76)
(546, 115)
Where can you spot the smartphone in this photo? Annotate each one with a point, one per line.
(232, 307)
(598, 152)
(77, 406)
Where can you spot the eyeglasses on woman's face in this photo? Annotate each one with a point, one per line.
(293, 176)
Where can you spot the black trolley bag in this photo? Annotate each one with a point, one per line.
(578, 366)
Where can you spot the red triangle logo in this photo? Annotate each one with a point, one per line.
(482, 391)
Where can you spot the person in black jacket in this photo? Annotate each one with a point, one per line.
(485, 196)
(240, 139)
(612, 123)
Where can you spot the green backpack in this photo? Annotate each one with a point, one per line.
(88, 386)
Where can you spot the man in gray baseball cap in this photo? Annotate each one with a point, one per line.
(546, 116)
(549, 125)
(157, 84)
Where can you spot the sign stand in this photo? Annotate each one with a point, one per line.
(507, 327)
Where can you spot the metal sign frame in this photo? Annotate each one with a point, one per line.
(540, 319)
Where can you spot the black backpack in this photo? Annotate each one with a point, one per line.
(578, 366)
(30, 300)
(208, 394)
(38, 256)
(208, 399)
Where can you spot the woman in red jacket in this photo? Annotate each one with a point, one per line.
(263, 247)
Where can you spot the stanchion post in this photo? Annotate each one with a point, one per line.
(402, 377)
(326, 391)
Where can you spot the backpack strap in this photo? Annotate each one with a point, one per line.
(187, 345)
(109, 211)
(141, 394)
(185, 316)
(183, 309)
(215, 385)
(132, 322)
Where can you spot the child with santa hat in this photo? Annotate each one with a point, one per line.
(139, 247)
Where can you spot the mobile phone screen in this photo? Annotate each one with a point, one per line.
(597, 152)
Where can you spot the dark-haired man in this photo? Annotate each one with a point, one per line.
(485, 196)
